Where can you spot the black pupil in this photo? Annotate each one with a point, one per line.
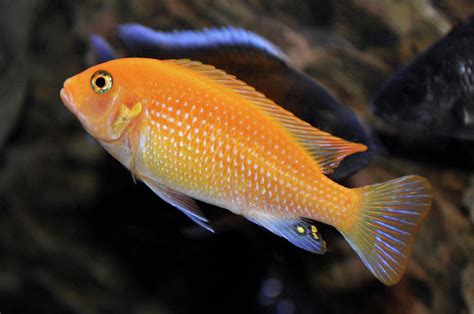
(100, 82)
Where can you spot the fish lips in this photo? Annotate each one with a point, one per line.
(68, 101)
(66, 96)
(97, 128)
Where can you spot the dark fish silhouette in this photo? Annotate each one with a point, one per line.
(259, 63)
(433, 96)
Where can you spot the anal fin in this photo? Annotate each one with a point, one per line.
(184, 203)
(299, 231)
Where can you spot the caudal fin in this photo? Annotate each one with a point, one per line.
(385, 229)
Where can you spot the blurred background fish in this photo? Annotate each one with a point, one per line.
(256, 61)
(428, 105)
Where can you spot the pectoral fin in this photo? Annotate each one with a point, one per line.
(184, 203)
(298, 231)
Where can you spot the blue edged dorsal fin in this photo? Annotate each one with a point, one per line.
(136, 35)
(101, 49)
(184, 203)
(299, 231)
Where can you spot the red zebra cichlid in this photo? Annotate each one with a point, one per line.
(190, 131)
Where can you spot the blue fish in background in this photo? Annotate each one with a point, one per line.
(256, 61)
(101, 49)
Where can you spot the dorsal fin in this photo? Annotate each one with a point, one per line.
(101, 50)
(328, 150)
(136, 36)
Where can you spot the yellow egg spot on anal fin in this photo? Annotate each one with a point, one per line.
(300, 229)
(294, 229)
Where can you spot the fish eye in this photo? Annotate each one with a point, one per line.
(101, 81)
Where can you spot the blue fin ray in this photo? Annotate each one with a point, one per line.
(382, 235)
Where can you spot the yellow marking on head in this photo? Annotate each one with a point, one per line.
(300, 229)
(125, 116)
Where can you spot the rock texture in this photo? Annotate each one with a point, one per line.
(77, 236)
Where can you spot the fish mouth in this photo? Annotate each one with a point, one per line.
(65, 98)
(68, 101)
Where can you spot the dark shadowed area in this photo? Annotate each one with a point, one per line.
(78, 236)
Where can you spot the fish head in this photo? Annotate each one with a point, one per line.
(105, 98)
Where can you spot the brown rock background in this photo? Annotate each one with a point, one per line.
(77, 236)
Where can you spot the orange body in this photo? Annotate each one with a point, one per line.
(218, 147)
(190, 131)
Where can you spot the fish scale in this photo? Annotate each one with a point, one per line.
(192, 132)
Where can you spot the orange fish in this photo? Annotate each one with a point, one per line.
(190, 131)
